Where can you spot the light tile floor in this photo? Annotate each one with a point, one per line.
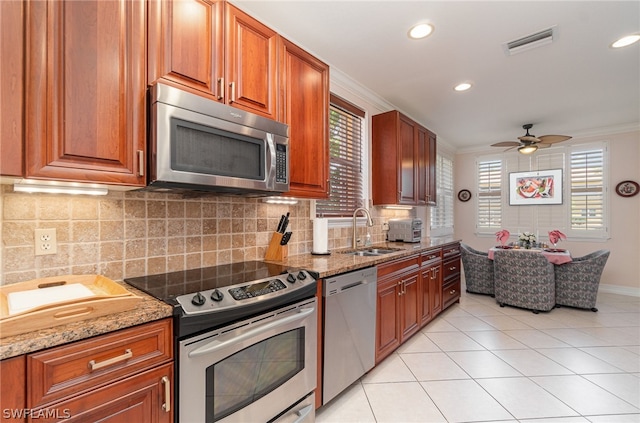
(478, 362)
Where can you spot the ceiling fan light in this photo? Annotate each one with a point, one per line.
(626, 41)
(528, 149)
(420, 31)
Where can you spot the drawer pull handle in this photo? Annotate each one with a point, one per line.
(452, 268)
(140, 163)
(453, 291)
(232, 86)
(167, 394)
(220, 88)
(95, 366)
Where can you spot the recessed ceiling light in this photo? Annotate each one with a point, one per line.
(626, 41)
(420, 31)
(462, 87)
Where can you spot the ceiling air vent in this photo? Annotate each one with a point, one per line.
(540, 38)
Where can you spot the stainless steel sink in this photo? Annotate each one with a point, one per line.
(371, 251)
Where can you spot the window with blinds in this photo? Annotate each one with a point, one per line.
(489, 195)
(442, 215)
(584, 211)
(345, 160)
(587, 190)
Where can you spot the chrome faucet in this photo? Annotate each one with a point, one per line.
(369, 224)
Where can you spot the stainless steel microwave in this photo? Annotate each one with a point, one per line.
(199, 144)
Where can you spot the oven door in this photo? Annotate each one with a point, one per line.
(251, 371)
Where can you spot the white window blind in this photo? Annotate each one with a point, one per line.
(345, 160)
(489, 196)
(583, 213)
(442, 215)
(587, 190)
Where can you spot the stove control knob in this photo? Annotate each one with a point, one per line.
(216, 295)
(291, 278)
(302, 276)
(198, 299)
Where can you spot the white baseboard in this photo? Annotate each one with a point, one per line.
(621, 290)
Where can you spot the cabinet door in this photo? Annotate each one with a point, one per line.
(13, 391)
(143, 398)
(186, 44)
(387, 327)
(407, 166)
(11, 86)
(251, 63)
(435, 289)
(422, 159)
(426, 314)
(85, 91)
(409, 305)
(431, 170)
(304, 106)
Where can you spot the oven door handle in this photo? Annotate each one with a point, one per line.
(215, 345)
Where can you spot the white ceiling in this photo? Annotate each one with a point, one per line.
(575, 86)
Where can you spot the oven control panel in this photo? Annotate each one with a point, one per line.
(224, 298)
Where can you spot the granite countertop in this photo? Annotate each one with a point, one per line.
(147, 310)
(336, 262)
(150, 309)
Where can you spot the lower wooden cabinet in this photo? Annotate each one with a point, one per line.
(397, 304)
(413, 291)
(123, 376)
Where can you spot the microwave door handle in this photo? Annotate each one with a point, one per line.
(270, 171)
(217, 345)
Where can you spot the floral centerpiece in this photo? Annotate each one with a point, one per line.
(555, 236)
(527, 238)
(502, 236)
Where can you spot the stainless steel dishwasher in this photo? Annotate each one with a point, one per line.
(349, 329)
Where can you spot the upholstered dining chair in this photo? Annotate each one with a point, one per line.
(478, 270)
(577, 282)
(524, 279)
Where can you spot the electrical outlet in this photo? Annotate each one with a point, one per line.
(385, 226)
(46, 242)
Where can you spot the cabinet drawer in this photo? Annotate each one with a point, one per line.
(450, 293)
(71, 369)
(398, 266)
(451, 268)
(431, 256)
(450, 250)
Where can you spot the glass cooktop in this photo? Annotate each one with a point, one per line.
(167, 286)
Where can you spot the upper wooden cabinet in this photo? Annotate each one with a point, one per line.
(304, 106)
(85, 91)
(11, 85)
(403, 165)
(216, 49)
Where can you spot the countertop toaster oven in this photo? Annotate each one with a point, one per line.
(405, 230)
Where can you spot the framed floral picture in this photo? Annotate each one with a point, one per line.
(541, 187)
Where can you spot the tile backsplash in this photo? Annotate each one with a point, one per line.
(127, 234)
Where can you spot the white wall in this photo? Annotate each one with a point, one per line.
(622, 272)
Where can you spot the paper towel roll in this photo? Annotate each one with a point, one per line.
(320, 235)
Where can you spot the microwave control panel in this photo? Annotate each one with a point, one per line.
(281, 163)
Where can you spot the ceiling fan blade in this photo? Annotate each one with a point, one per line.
(552, 139)
(506, 144)
(529, 138)
(542, 145)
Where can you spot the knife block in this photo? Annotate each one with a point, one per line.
(275, 251)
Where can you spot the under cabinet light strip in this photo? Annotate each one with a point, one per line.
(58, 188)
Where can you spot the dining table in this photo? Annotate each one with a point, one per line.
(553, 255)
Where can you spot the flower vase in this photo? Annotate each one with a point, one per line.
(527, 245)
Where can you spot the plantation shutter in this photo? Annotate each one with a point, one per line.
(489, 196)
(587, 190)
(442, 214)
(345, 160)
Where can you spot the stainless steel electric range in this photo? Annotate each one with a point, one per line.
(245, 341)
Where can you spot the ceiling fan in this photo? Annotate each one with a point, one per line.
(530, 143)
